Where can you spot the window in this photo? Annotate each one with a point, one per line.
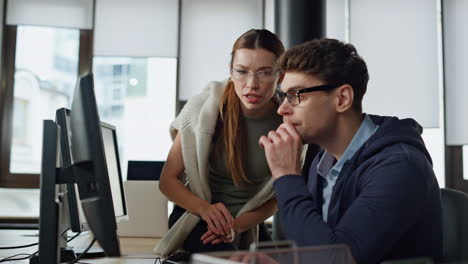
(138, 98)
(20, 118)
(45, 73)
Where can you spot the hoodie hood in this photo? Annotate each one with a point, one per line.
(392, 131)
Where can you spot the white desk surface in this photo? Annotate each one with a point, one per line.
(134, 250)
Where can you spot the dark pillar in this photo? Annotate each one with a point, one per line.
(454, 178)
(297, 21)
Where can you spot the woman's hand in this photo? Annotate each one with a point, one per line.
(218, 218)
(210, 237)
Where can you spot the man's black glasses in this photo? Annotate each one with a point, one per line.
(294, 97)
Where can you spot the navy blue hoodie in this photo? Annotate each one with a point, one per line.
(385, 203)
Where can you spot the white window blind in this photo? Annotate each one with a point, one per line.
(399, 41)
(456, 70)
(209, 28)
(52, 13)
(138, 28)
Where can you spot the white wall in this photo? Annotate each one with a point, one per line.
(398, 39)
(400, 42)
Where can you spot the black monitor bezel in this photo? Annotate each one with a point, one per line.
(91, 166)
(76, 224)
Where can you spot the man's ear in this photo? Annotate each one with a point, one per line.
(345, 98)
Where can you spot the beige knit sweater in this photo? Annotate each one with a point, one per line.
(196, 125)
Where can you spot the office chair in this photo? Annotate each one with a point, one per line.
(454, 225)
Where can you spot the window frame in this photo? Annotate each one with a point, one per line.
(85, 60)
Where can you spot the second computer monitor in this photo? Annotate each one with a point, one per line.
(109, 135)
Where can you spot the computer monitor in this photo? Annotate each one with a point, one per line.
(77, 220)
(90, 166)
(109, 136)
(89, 146)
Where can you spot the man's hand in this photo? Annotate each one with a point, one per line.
(283, 149)
(218, 218)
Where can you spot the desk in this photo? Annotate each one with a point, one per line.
(134, 250)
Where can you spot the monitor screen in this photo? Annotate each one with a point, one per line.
(109, 137)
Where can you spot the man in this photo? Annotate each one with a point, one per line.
(372, 186)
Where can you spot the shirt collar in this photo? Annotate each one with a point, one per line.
(328, 165)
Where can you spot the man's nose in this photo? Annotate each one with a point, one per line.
(285, 107)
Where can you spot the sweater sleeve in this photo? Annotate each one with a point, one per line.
(392, 194)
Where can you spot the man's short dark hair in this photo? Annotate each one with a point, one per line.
(332, 61)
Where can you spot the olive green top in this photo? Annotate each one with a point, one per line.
(255, 165)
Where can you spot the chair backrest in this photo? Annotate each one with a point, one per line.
(454, 225)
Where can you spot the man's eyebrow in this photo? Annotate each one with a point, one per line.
(292, 88)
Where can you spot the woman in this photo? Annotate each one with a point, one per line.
(215, 144)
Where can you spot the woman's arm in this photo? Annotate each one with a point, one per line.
(217, 216)
(252, 218)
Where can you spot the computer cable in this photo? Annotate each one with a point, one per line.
(12, 258)
(37, 243)
(158, 260)
(84, 252)
(28, 256)
(23, 246)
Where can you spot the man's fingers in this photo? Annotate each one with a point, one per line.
(263, 142)
(274, 137)
(283, 134)
(291, 130)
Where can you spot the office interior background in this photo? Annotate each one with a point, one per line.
(150, 56)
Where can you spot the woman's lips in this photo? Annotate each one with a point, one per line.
(251, 98)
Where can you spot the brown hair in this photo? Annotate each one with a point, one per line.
(230, 103)
(332, 61)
